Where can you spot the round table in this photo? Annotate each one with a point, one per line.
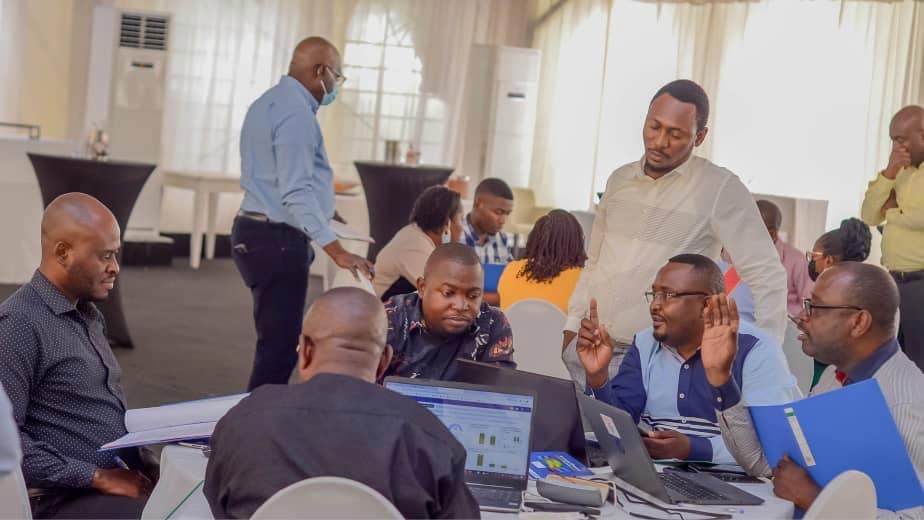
(391, 190)
(117, 185)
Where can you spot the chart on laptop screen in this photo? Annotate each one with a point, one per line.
(493, 427)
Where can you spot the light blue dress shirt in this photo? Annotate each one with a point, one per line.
(658, 387)
(284, 169)
(10, 449)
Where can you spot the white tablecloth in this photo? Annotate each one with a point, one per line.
(179, 495)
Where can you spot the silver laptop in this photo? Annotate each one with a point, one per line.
(618, 435)
(494, 424)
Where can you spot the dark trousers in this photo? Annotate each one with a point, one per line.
(273, 260)
(911, 329)
(86, 504)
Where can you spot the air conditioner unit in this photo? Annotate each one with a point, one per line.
(126, 87)
(503, 89)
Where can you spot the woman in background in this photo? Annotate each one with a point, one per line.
(436, 218)
(552, 264)
(848, 243)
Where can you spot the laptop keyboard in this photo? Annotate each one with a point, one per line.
(687, 488)
(495, 496)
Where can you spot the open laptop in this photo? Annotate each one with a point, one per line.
(557, 420)
(494, 424)
(619, 437)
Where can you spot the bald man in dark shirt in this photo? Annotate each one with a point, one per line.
(339, 423)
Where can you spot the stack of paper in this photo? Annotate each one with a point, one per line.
(173, 422)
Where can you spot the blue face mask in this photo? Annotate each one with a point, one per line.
(329, 97)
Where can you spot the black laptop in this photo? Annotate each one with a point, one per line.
(618, 434)
(557, 424)
(493, 424)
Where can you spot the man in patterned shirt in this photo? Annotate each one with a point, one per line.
(62, 379)
(483, 226)
(446, 319)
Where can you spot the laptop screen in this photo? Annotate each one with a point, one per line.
(493, 427)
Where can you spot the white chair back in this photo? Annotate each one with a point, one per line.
(14, 498)
(537, 326)
(326, 497)
(800, 365)
(586, 219)
(851, 494)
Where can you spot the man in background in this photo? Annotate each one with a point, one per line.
(798, 284)
(896, 197)
(667, 203)
(288, 202)
(483, 227)
(338, 423)
(61, 376)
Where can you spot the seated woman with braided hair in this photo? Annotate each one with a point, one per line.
(553, 262)
(848, 243)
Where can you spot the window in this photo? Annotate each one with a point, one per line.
(382, 95)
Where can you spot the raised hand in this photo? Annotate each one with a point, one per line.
(594, 348)
(720, 338)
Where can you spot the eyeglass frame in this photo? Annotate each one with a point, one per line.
(651, 296)
(810, 255)
(339, 78)
(808, 307)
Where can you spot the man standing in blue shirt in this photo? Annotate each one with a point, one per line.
(288, 201)
(662, 381)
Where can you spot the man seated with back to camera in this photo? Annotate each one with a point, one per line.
(338, 423)
(661, 381)
(446, 319)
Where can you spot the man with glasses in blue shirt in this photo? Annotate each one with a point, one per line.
(288, 202)
(661, 381)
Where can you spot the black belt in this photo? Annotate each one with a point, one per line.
(905, 277)
(253, 215)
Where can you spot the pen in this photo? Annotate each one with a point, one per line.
(118, 460)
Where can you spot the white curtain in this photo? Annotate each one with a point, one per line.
(11, 65)
(801, 91)
(406, 62)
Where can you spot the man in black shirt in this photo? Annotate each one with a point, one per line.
(446, 319)
(63, 381)
(338, 422)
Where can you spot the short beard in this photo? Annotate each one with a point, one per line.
(659, 337)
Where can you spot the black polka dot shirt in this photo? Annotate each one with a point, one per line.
(64, 384)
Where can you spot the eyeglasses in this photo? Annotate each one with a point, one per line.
(810, 255)
(339, 78)
(810, 307)
(653, 296)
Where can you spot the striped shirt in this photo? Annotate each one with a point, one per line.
(658, 387)
(497, 248)
(642, 222)
(901, 382)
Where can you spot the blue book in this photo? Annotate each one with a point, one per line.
(492, 274)
(849, 428)
(543, 463)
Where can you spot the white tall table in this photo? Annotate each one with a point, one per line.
(207, 187)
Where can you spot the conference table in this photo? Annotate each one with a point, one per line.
(116, 184)
(178, 494)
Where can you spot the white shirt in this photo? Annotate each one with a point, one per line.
(404, 255)
(642, 222)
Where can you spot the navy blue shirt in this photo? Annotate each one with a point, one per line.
(64, 384)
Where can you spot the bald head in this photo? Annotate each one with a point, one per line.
(344, 332)
(907, 132)
(80, 246)
(316, 64)
(454, 252)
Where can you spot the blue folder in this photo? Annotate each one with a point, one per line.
(849, 428)
(492, 274)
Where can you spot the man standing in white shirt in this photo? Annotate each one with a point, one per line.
(671, 202)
